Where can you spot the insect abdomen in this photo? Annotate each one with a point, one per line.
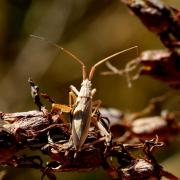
(81, 122)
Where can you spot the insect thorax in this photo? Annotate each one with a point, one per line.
(85, 90)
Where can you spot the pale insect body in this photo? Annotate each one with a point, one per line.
(83, 106)
(82, 113)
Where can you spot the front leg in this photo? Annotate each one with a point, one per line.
(74, 90)
(73, 94)
(72, 98)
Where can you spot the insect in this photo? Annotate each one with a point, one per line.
(83, 107)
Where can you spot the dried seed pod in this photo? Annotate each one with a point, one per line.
(153, 14)
(139, 169)
(25, 125)
(158, 18)
(162, 65)
(148, 127)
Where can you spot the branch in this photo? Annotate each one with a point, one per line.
(159, 19)
(44, 131)
(162, 65)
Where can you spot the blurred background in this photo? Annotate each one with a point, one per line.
(91, 30)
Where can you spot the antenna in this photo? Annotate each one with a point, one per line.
(93, 68)
(65, 51)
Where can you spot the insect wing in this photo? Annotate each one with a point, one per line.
(81, 122)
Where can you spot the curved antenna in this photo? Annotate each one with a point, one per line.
(65, 51)
(93, 68)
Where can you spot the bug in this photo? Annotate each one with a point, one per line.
(83, 107)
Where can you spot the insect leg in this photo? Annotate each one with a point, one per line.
(74, 90)
(63, 111)
(103, 132)
(61, 107)
(95, 104)
(72, 98)
(97, 121)
(73, 95)
(93, 92)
